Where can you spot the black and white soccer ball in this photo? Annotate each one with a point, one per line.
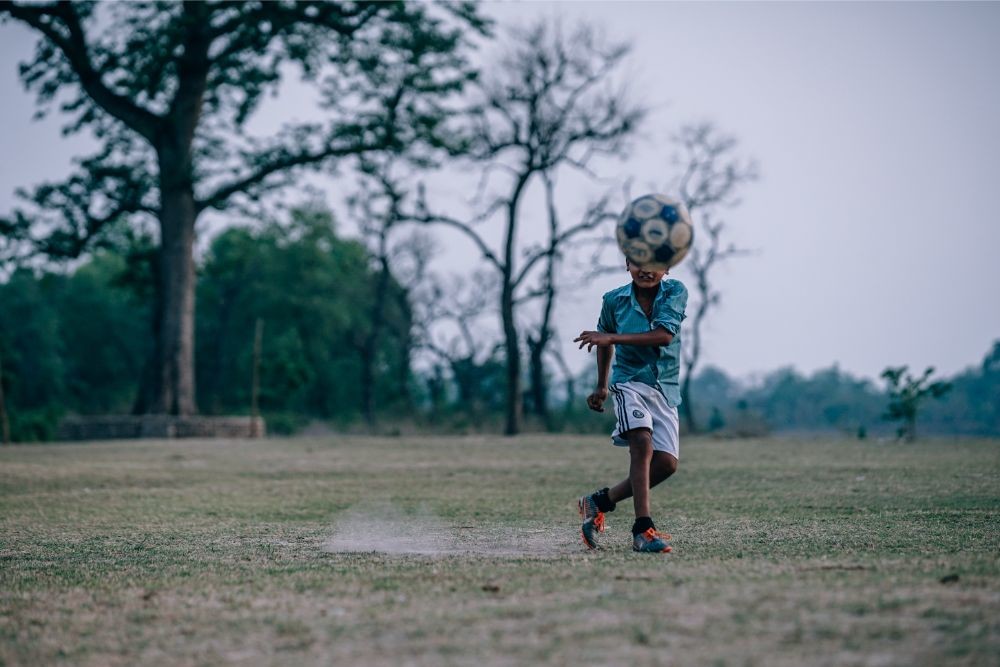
(655, 232)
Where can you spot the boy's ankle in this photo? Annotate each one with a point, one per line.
(642, 524)
(602, 500)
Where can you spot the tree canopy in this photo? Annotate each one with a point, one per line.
(169, 89)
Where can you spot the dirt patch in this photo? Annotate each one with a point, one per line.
(385, 529)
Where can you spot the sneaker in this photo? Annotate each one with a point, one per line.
(593, 521)
(651, 542)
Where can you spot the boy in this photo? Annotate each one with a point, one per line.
(643, 321)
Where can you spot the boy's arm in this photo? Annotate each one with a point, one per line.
(605, 324)
(600, 394)
(592, 339)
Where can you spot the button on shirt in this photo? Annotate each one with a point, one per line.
(658, 366)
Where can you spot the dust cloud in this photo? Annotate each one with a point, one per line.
(387, 529)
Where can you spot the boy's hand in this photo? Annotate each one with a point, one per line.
(593, 339)
(596, 399)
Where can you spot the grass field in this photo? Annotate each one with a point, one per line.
(465, 551)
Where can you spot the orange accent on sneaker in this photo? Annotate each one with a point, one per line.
(599, 521)
(651, 534)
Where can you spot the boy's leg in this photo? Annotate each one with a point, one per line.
(644, 535)
(640, 451)
(661, 467)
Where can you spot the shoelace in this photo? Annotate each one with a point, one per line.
(651, 534)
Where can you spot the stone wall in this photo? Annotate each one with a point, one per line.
(159, 426)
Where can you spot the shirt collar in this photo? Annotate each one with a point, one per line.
(660, 290)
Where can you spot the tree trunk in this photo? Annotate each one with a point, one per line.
(538, 346)
(514, 408)
(511, 347)
(687, 409)
(536, 369)
(174, 371)
(436, 393)
(687, 415)
(172, 378)
(691, 362)
(167, 383)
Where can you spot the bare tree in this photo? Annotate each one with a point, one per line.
(547, 104)
(539, 339)
(544, 333)
(711, 176)
(447, 322)
(376, 206)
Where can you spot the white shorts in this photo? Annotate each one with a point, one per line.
(638, 405)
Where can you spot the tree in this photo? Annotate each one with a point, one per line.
(710, 178)
(829, 399)
(546, 105)
(905, 395)
(313, 291)
(448, 314)
(34, 364)
(168, 89)
(548, 288)
(376, 208)
(971, 406)
(71, 342)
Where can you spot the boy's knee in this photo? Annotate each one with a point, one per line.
(669, 464)
(640, 443)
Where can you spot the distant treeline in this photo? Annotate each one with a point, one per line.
(75, 343)
(834, 401)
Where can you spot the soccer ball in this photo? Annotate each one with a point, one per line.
(655, 232)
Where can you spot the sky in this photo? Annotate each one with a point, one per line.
(875, 126)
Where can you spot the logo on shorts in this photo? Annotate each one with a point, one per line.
(638, 414)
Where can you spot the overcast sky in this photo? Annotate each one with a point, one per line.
(877, 128)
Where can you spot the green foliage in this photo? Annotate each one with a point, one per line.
(76, 343)
(828, 400)
(30, 343)
(971, 406)
(832, 400)
(312, 290)
(905, 395)
(70, 343)
(106, 334)
(168, 88)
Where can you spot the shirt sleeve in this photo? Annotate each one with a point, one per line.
(606, 322)
(670, 310)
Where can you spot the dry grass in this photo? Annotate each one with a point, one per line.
(464, 551)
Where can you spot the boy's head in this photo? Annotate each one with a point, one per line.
(644, 277)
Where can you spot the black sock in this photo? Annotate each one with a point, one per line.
(642, 524)
(602, 501)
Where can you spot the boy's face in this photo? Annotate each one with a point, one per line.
(644, 277)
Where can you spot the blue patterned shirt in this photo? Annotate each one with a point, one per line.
(657, 366)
